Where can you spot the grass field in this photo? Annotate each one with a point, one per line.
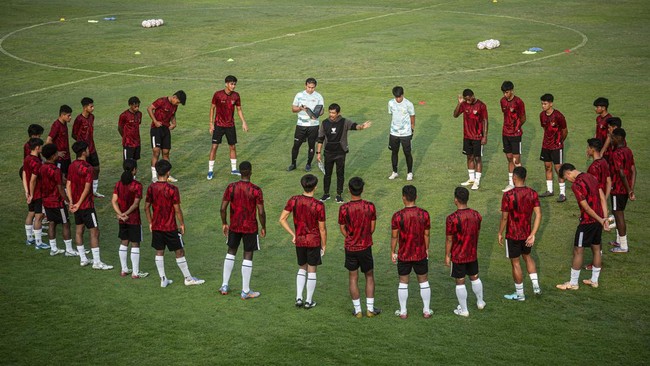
(55, 312)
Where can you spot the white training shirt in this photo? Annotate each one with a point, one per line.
(400, 125)
(309, 101)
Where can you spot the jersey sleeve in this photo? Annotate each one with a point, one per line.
(484, 112)
(394, 222)
(342, 214)
(561, 121)
(291, 203)
(535, 197)
(227, 193)
(149, 197)
(411, 109)
(176, 196)
(214, 99)
(259, 196)
(450, 226)
(138, 190)
(88, 174)
(521, 108)
(158, 103)
(238, 100)
(54, 130)
(427, 220)
(320, 211)
(579, 191)
(505, 203)
(296, 100)
(373, 212)
(121, 121)
(116, 189)
(390, 109)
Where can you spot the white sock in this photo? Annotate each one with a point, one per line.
(38, 236)
(311, 285)
(95, 185)
(210, 165)
(233, 164)
(135, 260)
(228, 265)
(370, 303)
(549, 185)
(470, 172)
(96, 258)
(123, 252)
(622, 242)
(301, 279)
(29, 232)
(595, 273)
(182, 264)
(425, 294)
(246, 270)
(519, 288)
(357, 305)
(82, 253)
(160, 265)
(575, 276)
(154, 175)
(53, 246)
(478, 177)
(68, 245)
(533, 279)
(618, 237)
(477, 287)
(461, 295)
(403, 295)
(510, 182)
(563, 188)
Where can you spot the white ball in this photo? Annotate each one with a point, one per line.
(144, 23)
(160, 21)
(156, 23)
(480, 45)
(148, 24)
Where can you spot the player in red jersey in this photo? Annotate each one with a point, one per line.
(357, 220)
(410, 227)
(165, 202)
(128, 126)
(54, 201)
(608, 147)
(623, 173)
(163, 119)
(600, 107)
(222, 123)
(475, 132)
(517, 208)
(555, 132)
(593, 219)
(59, 136)
(310, 236)
(599, 168)
(32, 187)
(78, 189)
(462, 229)
(33, 131)
(514, 117)
(245, 199)
(126, 204)
(83, 129)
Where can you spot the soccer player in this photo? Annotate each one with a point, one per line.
(127, 195)
(128, 126)
(32, 187)
(33, 131)
(599, 168)
(402, 126)
(54, 202)
(165, 202)
(555, 132)
(517, 207)
(593, 219)
(163, 119)
(59, 136)
(222, 122)
(83, 129)
(310, 236)
(333, 133)
(600, 106)
(244, 198)
(475, 132)
(357, 220)
(623, 173)
(306, 102)
(78, 189)
(410, 227)
(608, 147)
(514, 117)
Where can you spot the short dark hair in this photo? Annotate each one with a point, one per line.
(34, 142)
(507, 85)
(163, 167)
(48, 151)
(595, 143)
(566, 167)
(601, 102)
(308, 182)
(410, 193)
(356, 186)
(614, 121)
(128, 165)
(134, 100)
(245, 168)
(461, 194)
(334, 107)
(619, 132)
(35, 129)
(79, 147)
(181, 96)
(398, 91)
(468, 93)
(86, 101)
(520, 172)
(230, 79)
(547, 98)
(311, 81)
(65, 109)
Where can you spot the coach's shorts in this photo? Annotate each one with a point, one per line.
(161, 138)
(229, 132)
(87, 217)
(131, 153)
(93, 159)
(395, 141)
(130, 232)
(172, 240)
(460, 270)
(472, 147)
(362, 258)
(420, 267)
(512, 144)
(63, 164)
(57, 215)
(310, 256)
(251, 241)
(556, 156)
(36, 206)
(619, 201)
(515, 248)
(588, 235)
(306, 133)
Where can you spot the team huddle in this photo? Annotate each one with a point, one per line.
(55, 185)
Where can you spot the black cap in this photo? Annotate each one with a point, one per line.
(181, 96)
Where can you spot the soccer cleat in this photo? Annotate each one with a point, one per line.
(126, 273)
(537, 290)
(210, 175)
(427, 313)
(135, 276)
(401, 315)
(475, 186)
(468, 182)
(508, 188)
(308, 168)
(589, 283)
(56, 252)
(30, 242)
(73, 253)
(515, 297)
(481, 305)
(546, 194)
(171, 179)
(614, 244)
(235, 172)
(224, 290)
(309, 305)
(291, 167)
(459, 311)
(589, 267)
(42, 246)
(85, 263)
(561, 198)
(299, 303)
(618, 250)
(357, 314)
(339, 199)
(193, 281)
(393, 176)
(567, 286)
(325, 197)
(409, 176)
(249, 295)
(98, 195)
(103, 266)
(371, 314)
(166, 282)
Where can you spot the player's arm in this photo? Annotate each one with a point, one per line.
(426, 240)
(621, 174)
(133, 207)
(224, 217)
(394, 234)
(603, 203)
(413, 123)
(283, 222)
(213, 111)
(522, 115)
(323, 237)
(530, 241)
(363, 126)
(633, 179)
(147, 212)
(179, 217)
(299, 108)
(608, 187)
(26, 184)
(261, 214)
(457, 111)
(606, 144)
(448, 241)
(150, 110)
(344, 230)
(593, 214)
(372, 226)
(61, 191)
(68, 191)
(84, 194)
(485, 126)
(172, 122)
(75, 130)
(116, 207)
(120, 128)
(49, 140)
(240, 113)
(502, 226)
(565, 133)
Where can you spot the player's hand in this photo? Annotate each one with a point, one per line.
(500, 239)
(244, 126)
(460, 99)
(211, 128)
(156, 123)
(393, 257)
(484, 140)
(447, 261)
(322, 251)
(605, 224)
(225, 229)
(183, 229)
(28, 197)
(367, 124)
(632, 196)
(60, 154)
(150, 228)
(530, 240)
(293, 238)
(263, 233)
(318, 157)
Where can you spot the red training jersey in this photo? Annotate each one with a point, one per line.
(307, 213)
(50, 176)
(464, 226)
(601, 127)
(126, 195)
(411, 223)
(243, 198)
(130, 124)
(357, 217)
(585, 187)
(80, 173)
(473, 117)
(553, 125)
(164, 111)
(519, 203)
(600, 169)
(59, 135)
(225, 108)
(163, 196)
(83, 129)
(26, 149)
(512, 110)
(621, 159)
(32, 166)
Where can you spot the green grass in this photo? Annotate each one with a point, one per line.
(55, 312)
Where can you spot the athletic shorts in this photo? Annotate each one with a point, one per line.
(229, 132)
(472, 147)
(86, 217)
(512, 144)
(588, 235)
(63, 164)
(251, 241)
(420, 267)
(172, 240)
(57, 215)
(131, 153)
(130, 232)
(619, 201)
(161, 138)
(36, 206)
(306, 133)
(515, 248)
(362, 258)
(395, 141)
(460, 270)
(308, 255)
(556, 156)
(93, 159)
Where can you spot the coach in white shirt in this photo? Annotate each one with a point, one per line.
(402, 126)
(309, 106)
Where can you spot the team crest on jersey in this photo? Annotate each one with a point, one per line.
(333, 130)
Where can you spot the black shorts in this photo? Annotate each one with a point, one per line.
(63, 164)
(588, 235)
(93, 159)
(460, 270)
(362, 258)
(172, 240)
(309, 133)
(472, 147)
(420, 267)
(131, 153)
(229, 132)
(161, 138)
(36, 206)
(515, 248)
(308, 255)
(130, 232)
(556, 156)
(87, 217)
(512, 144)
(619, 201)
(395, 141)
(57, 215)
(251, 241)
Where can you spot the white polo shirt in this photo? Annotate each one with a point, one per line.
(309, 101)
(401, 113)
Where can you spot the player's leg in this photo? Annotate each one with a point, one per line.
(94, 247)
(406, 147)
(471, 169)
(531, 267)
(311, 141)
(478, 163)
(518, 277)
(458, 273)
(340, 177)
(403, 291)
(298, 139)
(78, 238)
(124, 251)
(156, 141)
(67, 237)
(211, 157)
(251, 244)
(175, 243)
(29, 228)
(353, 281)
(301, 281)
(155, 155)
(38, 228)
(597, 264)
(311, 283)
(425, 294)
(233, 160)
(158, 243)
(477, 284)
(548, 171)
(234, 239)
(135, 260)
(511, 167)
(367, 268)
(619, 202)
(393, 146)
(327, 179)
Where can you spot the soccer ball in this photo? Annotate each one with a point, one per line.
(146, 24)
(480, 45)
(159, 21)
